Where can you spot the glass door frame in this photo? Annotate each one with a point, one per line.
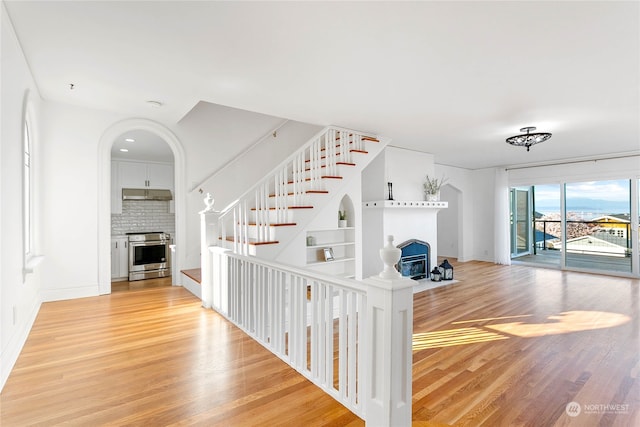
(515, 221)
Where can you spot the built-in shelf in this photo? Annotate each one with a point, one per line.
(405, 204)
(337, 260)
(341, 241)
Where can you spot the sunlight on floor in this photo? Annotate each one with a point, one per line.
(563, 323)
(452, 337)
(570, 321)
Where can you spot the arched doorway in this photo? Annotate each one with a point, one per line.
(104, 193)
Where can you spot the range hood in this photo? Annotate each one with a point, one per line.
(146, 194)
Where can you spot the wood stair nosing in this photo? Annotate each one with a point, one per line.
(322, 177)
(252, 242)
(337, 163)
(351, 150)
(288, 207)
(363, 138)
(306, 192)
(279, 224)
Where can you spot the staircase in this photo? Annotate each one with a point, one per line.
(276, 208)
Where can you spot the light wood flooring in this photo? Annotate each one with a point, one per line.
(505, 346)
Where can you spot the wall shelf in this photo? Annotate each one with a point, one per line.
(405, 204)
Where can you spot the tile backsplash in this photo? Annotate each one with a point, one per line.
(143, 216)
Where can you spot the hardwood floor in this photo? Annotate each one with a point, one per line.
(140, 284)
(505, 346)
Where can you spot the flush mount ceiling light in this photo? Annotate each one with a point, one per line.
(130, 140)
(124, 150)
(528, 139)
(156, 104)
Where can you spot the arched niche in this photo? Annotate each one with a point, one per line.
(346, 204)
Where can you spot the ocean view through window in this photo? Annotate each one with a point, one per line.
(592, 232)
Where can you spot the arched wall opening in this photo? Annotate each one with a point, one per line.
(104, 193)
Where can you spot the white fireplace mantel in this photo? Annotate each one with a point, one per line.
(405, 204)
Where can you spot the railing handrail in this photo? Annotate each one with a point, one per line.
(344, 282)
(290, 158)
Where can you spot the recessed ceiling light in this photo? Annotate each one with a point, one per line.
(130, 140)
(155, 103)
(124, 150)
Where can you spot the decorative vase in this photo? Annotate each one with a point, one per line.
(432, 197)
(390, 256)
(342, 223)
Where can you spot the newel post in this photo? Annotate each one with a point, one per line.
(389, 344)
(208, 237)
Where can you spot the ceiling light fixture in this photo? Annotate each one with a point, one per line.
(130, 140)
(124, 150)
(156, 104)
(528, 139)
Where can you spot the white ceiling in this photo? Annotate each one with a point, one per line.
(449, 78)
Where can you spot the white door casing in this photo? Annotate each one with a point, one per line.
(104, 193)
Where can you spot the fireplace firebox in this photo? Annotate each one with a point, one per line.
(414, 259)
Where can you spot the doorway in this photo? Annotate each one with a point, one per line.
(520, 212)
(106, 145)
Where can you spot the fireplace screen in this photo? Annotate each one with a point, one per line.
(414, 267)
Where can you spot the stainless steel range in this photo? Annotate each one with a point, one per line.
(149, 255)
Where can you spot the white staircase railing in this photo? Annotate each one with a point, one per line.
(350, 338)
(271, 201)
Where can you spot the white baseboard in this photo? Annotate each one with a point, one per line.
(10, 355)
(70, 293)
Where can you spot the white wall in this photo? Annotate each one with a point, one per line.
(234, 178)
(70, 199)
(19, 295)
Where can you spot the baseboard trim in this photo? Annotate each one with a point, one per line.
(9, 357)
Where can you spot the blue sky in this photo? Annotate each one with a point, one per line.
(615, 190)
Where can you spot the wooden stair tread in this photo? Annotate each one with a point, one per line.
(193, 273)
(289, 207)
(306, 192)
(252, 242)
(351, 150)
(337, 163)
(279, 224)
(322, 177)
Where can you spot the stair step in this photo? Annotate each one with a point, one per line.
(337, 163)
(323, 177)
(279, 224)
(252, 242)
(290, 207)
(352, 150)
(369, 138)
(306, 192)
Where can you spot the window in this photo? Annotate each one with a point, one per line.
(593, 232)
(598, 224)
(27, 190)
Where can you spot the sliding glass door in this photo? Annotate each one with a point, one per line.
(578, 225)
(598, 225)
